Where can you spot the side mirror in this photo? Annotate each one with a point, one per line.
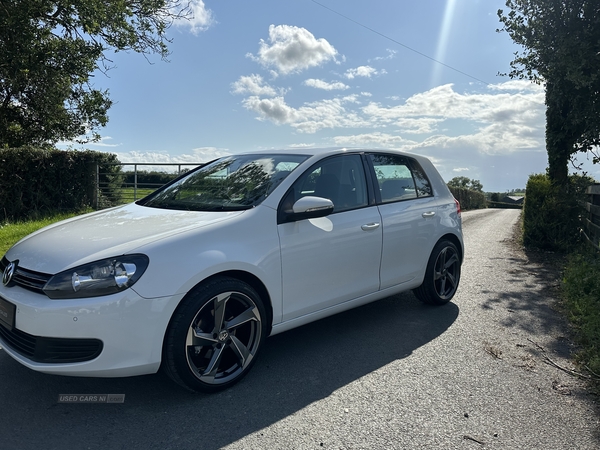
(310, 208)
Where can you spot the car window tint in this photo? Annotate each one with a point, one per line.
(340, 179)
(399, 178)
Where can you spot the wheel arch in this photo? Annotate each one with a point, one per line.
(251, 280)
(456, 241)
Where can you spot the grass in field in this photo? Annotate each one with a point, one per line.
(127, 194)
(11, 233)
(581, 288)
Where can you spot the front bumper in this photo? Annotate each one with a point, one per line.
(111, 336)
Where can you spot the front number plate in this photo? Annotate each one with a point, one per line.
(7, 314)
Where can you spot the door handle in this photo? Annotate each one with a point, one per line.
(370, 226)
(429, 214)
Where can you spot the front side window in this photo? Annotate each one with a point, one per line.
(399, 178)
(228, 184)
(340, 179)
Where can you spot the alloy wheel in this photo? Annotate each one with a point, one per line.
(223, 338)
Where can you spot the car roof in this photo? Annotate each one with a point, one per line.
(326, 151)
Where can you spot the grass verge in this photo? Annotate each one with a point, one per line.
(581, 290)
(11, 233)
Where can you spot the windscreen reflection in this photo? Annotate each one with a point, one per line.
(231, 183)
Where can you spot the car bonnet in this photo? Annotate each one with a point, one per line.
(105, 234)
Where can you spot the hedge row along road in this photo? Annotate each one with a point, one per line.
(392, 374)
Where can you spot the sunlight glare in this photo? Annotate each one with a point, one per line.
(443, 42)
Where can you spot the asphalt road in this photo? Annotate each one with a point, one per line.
(392, 374)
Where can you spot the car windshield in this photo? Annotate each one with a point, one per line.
(231, 183)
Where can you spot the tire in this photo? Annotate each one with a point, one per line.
(441, 276)
(205, 354)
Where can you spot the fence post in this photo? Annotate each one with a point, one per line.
(591, 224)
(97, 190)
(135, 182)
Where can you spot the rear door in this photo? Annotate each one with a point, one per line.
(409, 217)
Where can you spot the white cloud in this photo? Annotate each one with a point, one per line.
(391, 55)
(361, 71)
(274, 109)
(502, 122)
(309, 118)
(350, 99)
(302, 145)
(198, 19)
(292, 49)
(516, 85)
(104, 142)
(376, 139)
(209, 153)
(253, 85)
(418, 125)
(460, 169)
(320, 84)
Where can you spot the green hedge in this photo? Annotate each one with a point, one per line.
(551, 214)
(468, 199)
(35, 182)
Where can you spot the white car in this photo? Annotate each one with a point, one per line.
(195, 276)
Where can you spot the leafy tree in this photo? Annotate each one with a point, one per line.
(49, 52)
(466, 183)
(561, 48)
(476, 186)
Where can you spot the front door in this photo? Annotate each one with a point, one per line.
(333, 259)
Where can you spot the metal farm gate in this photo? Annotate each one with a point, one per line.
(121, 183)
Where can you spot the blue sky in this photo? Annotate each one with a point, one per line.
(279, 74)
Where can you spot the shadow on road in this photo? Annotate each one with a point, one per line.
(295, 369)
(532, 298)
(530, 294)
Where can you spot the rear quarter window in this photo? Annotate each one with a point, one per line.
(399, 178)
(422, 184)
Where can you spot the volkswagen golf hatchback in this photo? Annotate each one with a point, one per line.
(195, 276)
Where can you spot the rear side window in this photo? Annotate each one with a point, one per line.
(399, 178)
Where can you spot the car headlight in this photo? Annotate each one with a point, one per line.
(105, 277)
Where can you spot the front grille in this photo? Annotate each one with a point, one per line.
(50, 350)
(44, 349)
(28, 279)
